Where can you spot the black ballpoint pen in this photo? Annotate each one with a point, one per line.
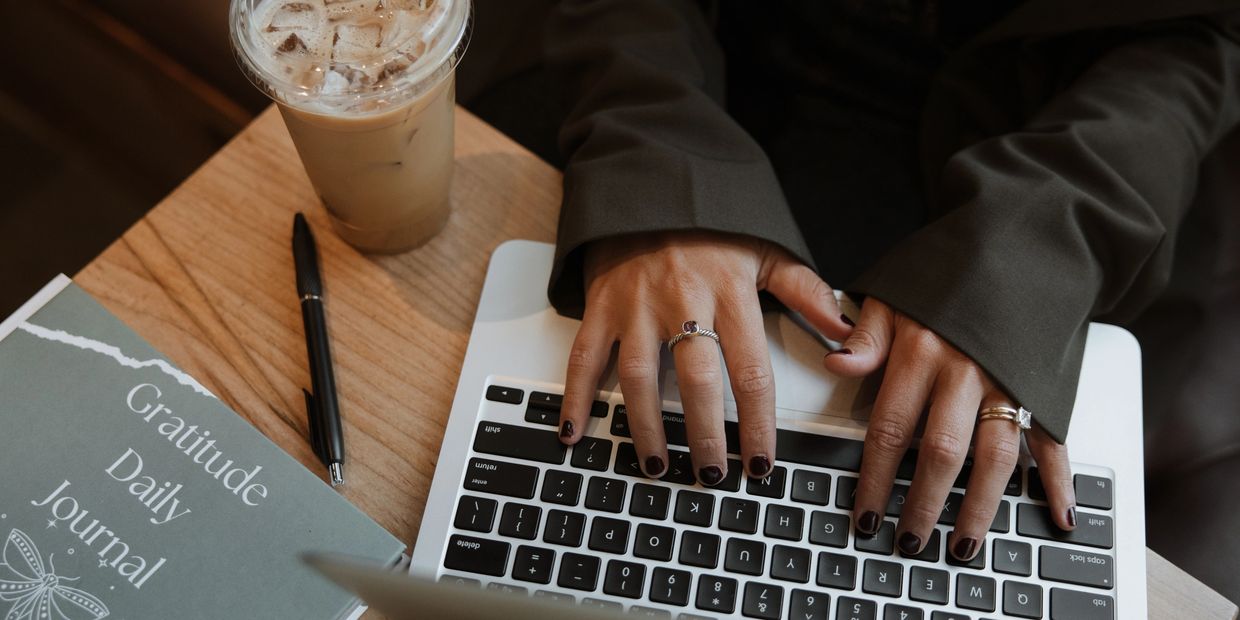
(326, 434)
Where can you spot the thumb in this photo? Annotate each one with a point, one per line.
(799, 288)
(867, 346)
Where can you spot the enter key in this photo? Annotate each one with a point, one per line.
(1078, 567)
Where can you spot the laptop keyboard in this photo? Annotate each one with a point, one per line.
(584, 525)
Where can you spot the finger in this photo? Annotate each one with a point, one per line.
(638, 366)
(1056, 473)
(944, 445)
(799, 288)
(700, 375)
(749, 370)
(995, 451)
(586, 361)
(901, 399)
(867, 347)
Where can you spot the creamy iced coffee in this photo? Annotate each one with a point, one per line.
(366, 88)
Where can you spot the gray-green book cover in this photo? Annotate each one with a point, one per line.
(127, 490)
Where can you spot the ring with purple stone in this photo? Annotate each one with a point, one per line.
(689, 330)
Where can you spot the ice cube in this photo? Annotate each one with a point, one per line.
(411, 5)
(293, 16)
(355, 42)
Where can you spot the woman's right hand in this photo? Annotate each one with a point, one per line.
(640, 290)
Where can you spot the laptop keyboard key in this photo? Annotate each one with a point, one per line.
(1093, 530)
(599, 409)
(519, 442)
(1014, 485)
(1023, 600)
(845, 492)
(502, 394)
(892, 611)
(738, 515)
(1036, 490)
(476, 514)
(699, 549)
(951, 507)
(948, 615)
(609, 535)
(476, 555)
(806, 605)
(732, 480)
(878, 543)
(928, 585)
(837, 571)
(1093, 491)
(519, 521)
(640, 611)
(507, 588)
(679, 468)
(771, 486)
(762, 601)
(1013, 557)
(546, 417)
(978, 562)
(501, 478)
(654, 542)
(929, 552)
(885, 578)
(895, 501)
(784, 522)
(818, 450)
(670, 586)
(744, 556)
(717, 594)
(849, 608)
(694, 508)
(564, 528)
(592, 453)
(1002, 522)
(626, 461)
(625, 579)
(811, 487)
(606, 494)
(1073, 605)
(975, 592)
(649, 501)
(578, 572)
(1079, 567)
(829, 528)
(561, 487)
(620, 422)
(790, 563)
(533, 564)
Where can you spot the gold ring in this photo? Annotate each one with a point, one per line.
(1021, 417)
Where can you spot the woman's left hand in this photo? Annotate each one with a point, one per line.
(923, 373)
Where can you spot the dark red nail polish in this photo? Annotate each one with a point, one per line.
(710, 475)
(964, 549)
(654, 466)
(868, 523)
(566, 429)
(910, 543)
(759, 466)
(1072, 516)
(843, 351)
(847, 321)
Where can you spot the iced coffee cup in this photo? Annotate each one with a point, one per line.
(366, 89)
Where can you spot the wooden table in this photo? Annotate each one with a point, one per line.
(207, 278)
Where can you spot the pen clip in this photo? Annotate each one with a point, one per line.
(315, 418)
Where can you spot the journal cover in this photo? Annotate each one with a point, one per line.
(128, 490)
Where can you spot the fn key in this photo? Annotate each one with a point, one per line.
(476, 555)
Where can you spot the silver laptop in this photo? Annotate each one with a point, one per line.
(511, 511)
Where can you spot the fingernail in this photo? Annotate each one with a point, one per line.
(759, 466)
(566, 429)
(868, 523)
(910, 543)
(964, 549)
(1072, 516)
(843, 351)
(654, 466)
(847, 321)
(710, 475)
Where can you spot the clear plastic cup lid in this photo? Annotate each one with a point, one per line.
(349, 56)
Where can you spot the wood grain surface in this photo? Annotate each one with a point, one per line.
(207, 278)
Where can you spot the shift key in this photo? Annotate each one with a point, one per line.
(1094, 530)
(519, 442)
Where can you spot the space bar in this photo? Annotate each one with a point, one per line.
(818, 450)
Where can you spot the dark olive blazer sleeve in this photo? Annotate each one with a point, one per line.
(1072, 218)
(648, 142)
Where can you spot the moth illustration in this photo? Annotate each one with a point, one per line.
(37, 593)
